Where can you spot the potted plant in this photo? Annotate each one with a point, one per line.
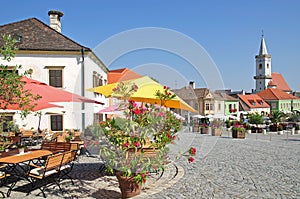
(21, 148)
(204, 128)
(238, 131)
(136, 144)
(256, 118)
(280, 130)
(68, 137)
(216, 127)
(275, 117)
(196, 127)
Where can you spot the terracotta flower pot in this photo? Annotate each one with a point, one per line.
(129, 188)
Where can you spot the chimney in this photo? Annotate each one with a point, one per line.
(192, 84)
(55, 19)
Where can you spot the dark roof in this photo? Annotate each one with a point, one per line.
(36, 35)
(186, 93)
(201, 92)
(224, 96)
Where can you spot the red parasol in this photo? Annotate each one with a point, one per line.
(49, 94)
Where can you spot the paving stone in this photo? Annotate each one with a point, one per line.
(224, 168)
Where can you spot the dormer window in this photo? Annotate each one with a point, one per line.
(252, 102)
(260, 102)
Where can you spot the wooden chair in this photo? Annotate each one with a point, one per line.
(3, 177)
(27, 138)
(67, 165)
(51, 169)
(75, 147)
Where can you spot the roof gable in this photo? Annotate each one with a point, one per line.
(36, 35)
(201, 92)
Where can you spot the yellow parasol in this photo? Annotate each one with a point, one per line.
(147, 88)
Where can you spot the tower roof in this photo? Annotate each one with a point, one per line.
(280, 82)
(263, 47)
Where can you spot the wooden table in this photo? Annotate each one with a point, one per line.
(14, 162)
(26, 156)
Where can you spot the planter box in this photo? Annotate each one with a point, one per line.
(238, 134)
(273, 128)
(204, 130)
(196, 129)
(280, 132)
(216, 132)
(256, 129)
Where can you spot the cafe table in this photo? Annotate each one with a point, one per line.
(14, 162)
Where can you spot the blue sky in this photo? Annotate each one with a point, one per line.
(229, 31)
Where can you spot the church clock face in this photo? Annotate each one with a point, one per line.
(260, 60)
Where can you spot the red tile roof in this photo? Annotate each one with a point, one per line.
(254, 101)
(275, 94)
(121, 74)
(279, 81)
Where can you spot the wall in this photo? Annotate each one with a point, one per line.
(71, 83)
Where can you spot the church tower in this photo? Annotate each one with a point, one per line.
(263, 67)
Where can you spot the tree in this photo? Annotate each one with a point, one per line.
(293, 117)
(276, 117)
(255, 118)
(11, 85)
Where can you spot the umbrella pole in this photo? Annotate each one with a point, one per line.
(40, 117)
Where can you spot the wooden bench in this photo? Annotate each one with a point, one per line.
(56, 147)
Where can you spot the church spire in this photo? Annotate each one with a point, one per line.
(263, 67)
(263, 47)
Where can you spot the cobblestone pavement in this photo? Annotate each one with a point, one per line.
(260, 166)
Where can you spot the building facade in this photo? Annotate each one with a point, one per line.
(55, 59)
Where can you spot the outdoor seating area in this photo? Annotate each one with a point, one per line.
(37, 158)
(37, 167)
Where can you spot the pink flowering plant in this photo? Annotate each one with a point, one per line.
(238, 127)
(216, 123)
(125, 141)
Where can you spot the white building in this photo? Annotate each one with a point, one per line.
(60, 62)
